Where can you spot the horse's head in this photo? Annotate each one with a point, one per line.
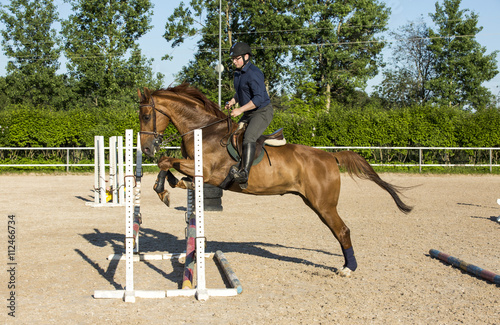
(184, 106)
(152, 121)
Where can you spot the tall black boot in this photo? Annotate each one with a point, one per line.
(241, 176)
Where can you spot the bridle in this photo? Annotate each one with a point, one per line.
(159, 137)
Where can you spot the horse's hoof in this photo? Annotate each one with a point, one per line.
(186, 183)
(345, 272)
(165, 197)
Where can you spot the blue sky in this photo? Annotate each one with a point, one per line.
(155, 46)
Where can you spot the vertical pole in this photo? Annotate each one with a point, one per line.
(129, 209)
(491, 160)
(67, 160)
(137, 194)
(420, 160)
(220, 50)
(201, 289)
(112, 169)
(102, 171)
(187, 278)
(121, 181)
(96, 170)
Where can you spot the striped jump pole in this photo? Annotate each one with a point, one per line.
(228, 271)
(467, 267)
(187, 279)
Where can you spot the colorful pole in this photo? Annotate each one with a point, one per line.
(187, 280)
(480, 272)
(228, 271)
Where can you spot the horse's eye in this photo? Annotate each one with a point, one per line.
(146, 117)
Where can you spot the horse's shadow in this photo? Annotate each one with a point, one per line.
(151, 240)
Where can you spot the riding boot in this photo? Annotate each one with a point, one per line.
(241, 176)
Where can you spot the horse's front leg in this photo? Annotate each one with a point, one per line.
(184, 166)
(165, 164)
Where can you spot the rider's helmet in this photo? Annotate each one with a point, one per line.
(240, 48)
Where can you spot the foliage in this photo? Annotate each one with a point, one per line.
(31, 42)
(98, 38)
(461, 63)
(405, 83)
(24, 126)
(340, 43)
(256, 23)
(332, 46)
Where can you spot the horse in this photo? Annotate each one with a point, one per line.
(311, 173)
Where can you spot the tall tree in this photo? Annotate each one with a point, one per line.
(101, 46)
(267, 26)
(405, 83)
(30, 41)
(462, 63)
(340, 43)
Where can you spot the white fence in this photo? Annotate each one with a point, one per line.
(491, 155)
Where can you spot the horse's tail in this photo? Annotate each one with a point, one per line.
(357, 166)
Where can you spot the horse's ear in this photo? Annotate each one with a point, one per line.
(141, 96)
(147, 93)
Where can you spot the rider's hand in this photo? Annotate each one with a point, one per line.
(236, 112)
(230, 104)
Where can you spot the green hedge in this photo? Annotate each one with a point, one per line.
(42, 127)
(427, 126)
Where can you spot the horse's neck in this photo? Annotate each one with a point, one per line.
(187, 121)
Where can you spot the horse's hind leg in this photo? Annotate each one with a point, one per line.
(326, 209)
(343, 235)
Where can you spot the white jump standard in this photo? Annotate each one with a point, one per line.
(196, 217)
(116, 182)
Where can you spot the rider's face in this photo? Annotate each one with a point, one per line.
(238, 61)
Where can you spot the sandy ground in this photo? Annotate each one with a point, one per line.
(283, 255)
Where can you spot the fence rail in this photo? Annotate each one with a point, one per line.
(489, 156)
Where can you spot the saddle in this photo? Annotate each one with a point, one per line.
(235, 143)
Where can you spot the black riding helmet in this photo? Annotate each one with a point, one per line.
(240, 48)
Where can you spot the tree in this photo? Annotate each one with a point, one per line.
(31, 43)
(268, 27)
(461, 63)
(104, 58)
(330, 43)
(406, 82)
(340, 45)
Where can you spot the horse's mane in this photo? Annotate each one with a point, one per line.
(186, 90)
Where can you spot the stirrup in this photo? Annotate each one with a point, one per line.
(241, 176)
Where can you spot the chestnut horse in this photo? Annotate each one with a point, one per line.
(311, 173)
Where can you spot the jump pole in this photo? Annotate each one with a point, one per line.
(470, 268)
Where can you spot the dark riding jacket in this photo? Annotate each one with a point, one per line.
(249, 85)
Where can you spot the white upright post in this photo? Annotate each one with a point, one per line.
(129, 222)
(101, 173)
(112, 170)
(121, 181)
(97, 193)
(201, 287)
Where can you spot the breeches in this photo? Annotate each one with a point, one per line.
(258, 121)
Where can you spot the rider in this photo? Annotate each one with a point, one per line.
(255, 105)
